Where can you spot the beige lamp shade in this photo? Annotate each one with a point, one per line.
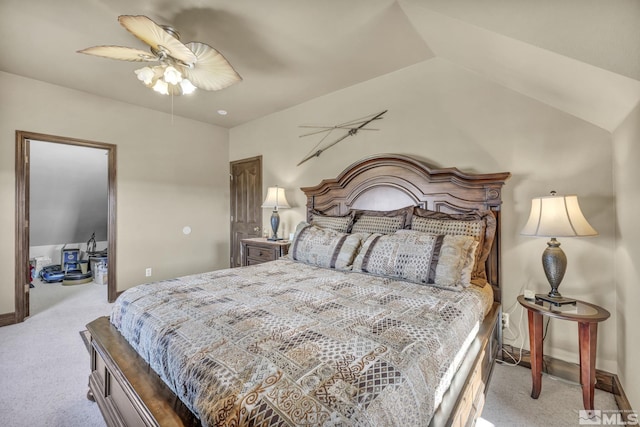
(557, 216)
(275, 199)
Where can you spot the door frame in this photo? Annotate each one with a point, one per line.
(22, 214)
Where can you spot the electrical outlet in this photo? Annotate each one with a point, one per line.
(505, 320)
(147, 272)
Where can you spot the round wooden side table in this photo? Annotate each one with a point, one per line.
(588, 316)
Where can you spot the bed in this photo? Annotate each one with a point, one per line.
(374, 318)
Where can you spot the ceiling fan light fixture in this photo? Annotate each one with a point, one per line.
(172, 75)
(187, 87)
(145, 75)
(165, 79)
(161, 87)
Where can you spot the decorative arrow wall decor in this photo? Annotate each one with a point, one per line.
(351, 127)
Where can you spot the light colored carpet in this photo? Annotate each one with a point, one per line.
(509, 401)
(44, 369)
(44, 365)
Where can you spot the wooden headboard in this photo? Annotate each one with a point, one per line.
(393, 181)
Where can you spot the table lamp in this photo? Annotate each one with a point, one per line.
(276, 200)
(556, 216)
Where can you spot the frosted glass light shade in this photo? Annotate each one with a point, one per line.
(187, 87)
(162, 87)
(557, 216)
(172, 75)
(275, 199)
(145, 75)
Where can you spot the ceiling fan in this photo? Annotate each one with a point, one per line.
(182, 67)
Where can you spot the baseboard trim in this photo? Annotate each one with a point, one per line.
(7, 319)
(621, 399)
(605, 381)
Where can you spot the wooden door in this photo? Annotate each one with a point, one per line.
(246, 202)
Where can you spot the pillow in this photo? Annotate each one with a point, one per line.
(481, 225)
(299, 227)
(455, 261)
(341, 223)
(416, 257)
(324, 247)
(382, 222)
(470, 262)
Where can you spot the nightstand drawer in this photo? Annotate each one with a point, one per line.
(253, 261)
(260, 254)
(257, 251)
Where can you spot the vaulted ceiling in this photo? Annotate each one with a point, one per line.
(579, 56)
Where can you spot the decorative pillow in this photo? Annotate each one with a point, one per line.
(299, 228)
(455, 261)
(382, 222)
(405, 255)
(339, 223)
(417, 257)
(469, 263)
(324, 247)
(481, 225)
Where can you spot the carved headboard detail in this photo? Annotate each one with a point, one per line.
(392, 181)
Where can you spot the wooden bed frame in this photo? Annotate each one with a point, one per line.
(129, 393)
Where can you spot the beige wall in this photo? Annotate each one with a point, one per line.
(171, 173)
(626, 148)
(449, 116)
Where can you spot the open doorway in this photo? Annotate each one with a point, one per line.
(24, 223)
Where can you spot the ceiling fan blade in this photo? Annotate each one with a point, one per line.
(156, 37)
(211, 70)
(120, 52)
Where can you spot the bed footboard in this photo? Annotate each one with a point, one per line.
(125, 388)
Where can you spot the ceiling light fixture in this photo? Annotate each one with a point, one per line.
(165, 79)
(182, 68)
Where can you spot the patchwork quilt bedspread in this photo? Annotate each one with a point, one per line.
(284, 343)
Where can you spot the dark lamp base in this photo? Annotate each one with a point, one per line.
(274, 239)
(557, 301)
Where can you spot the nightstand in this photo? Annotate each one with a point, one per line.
(588, 316)
(259, 250)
